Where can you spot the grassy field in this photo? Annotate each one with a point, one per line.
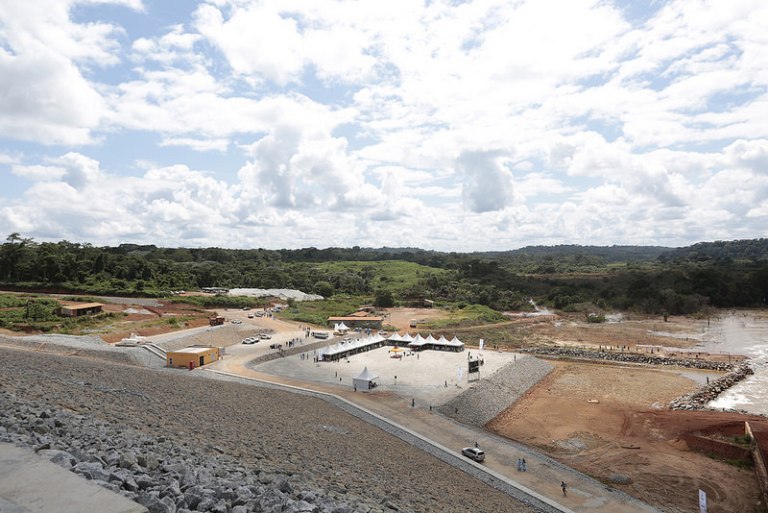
(317, 312)
(469, 315)
(391, 275)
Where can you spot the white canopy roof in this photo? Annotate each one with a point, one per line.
(406, 338)
(396, 337)
(367, 375)
(417, 341)
(344, 347)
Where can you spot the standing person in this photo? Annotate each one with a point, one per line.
(564, 487)
(524, 467)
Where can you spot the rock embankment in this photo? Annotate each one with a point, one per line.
(699, 398)
(177, 443)
(631, 358)
(489, 396)
(159, 473)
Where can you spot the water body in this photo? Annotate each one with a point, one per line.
(741, 333)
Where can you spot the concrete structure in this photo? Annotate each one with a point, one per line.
(191, 357)
(31, 484)
(78, 309)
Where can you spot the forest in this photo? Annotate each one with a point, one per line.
(648, 279)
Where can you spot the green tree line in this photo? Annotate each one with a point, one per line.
(647, 279)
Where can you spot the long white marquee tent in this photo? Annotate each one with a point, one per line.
(417, 343)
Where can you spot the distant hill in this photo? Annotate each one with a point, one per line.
(748, 250)
(608, 254)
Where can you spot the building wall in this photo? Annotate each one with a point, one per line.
(183, 359)
(77, 312)
(716, 447)
(760, 436)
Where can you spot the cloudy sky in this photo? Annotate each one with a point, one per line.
(448, 125)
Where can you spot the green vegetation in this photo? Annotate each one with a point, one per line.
(742, 464)
(571, 278)
(471, 315)
(32, 313)
(317, 312)
(744, 440)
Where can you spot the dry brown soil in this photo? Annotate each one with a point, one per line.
(147, 325)
(622, 434)
(402, 317)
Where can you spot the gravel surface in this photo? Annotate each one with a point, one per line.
(287, 446)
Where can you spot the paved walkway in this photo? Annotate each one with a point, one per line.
(31, 484)
(541, 482)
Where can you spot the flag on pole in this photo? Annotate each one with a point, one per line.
(482, 343)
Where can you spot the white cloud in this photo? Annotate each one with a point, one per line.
(38, 172)
(44, 96)
(484, 121)
(175, 46)
(220, 145)
(488, 184)
(277, 40)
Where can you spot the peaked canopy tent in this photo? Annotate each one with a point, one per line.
(344, 349)
(399, 341)
(340, 328)
(442, 344)
(365, 381)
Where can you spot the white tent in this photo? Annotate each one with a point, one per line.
(365, 381)
(340, 328)
(418, 341)
(395, 337)
(407, 337)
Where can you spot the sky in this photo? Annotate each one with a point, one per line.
(445, 125)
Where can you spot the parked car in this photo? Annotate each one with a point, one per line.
(250, 340)
(236, 321)
(473, 453)
(250, 316)
(275, 345)
(265, 336)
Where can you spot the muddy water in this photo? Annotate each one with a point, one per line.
(741, 333)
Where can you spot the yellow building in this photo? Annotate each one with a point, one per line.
(191, 357)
